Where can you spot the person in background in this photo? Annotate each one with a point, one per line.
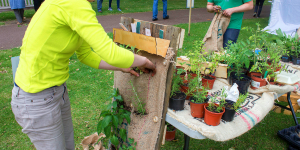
(258, 7)
(18, 7)
(155, 11)
(40, 100)
(37, 4)
(233, 8)
(118, 5)
(99, 5)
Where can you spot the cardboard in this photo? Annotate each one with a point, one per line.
(149, 44)
(221, 70)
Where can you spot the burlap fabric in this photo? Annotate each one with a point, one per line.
(214, 37)
(151, 90)
(253, 110)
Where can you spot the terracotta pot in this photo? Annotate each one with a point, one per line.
(211, 118)
(185, 89)
(208, 82)
(170, 135)
(257, 81)
(197, 109)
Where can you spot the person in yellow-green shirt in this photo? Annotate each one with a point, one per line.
(40, 99)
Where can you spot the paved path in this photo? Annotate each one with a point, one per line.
(11, 35)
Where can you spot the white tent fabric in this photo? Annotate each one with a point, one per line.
(284, 15)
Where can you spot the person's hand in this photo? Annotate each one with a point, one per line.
(148, 67)
(228, 12)
(130, 70)
(217, 8)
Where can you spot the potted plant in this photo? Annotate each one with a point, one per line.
(170, 133)
(198, 98)
(208, 78)
(238, 59)
(177, 98)
(213, 111)
(231, 107)
(295, 50)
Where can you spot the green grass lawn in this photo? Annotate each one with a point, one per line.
(88, 90)
(127, 6)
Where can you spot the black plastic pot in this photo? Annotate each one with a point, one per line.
(285, 58)
(242, 85)
(296, 60)
(229, 113)
(177, 103)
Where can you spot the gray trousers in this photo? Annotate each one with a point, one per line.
(19, 13)
(45, 117)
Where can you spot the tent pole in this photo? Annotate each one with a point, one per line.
(190, 17)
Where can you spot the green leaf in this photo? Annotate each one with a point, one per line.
(247, 62)
(109, 106)
(106, 121)
(99, 127)
(104, 113)
(127, 117)
(114, 141)
(115, 121)
(123, 134)
(119, 97)
(115, 104)
(107, 131)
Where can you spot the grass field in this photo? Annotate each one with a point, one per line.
(89, 88)
(127, 6)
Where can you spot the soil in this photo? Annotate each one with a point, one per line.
(214, 109)
(208, 77)
(228, 106)
(178, 96)
(128, 108)
(170, 128)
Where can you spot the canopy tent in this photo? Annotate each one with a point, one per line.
(284, 15)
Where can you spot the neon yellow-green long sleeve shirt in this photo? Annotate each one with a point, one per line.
(57, 30)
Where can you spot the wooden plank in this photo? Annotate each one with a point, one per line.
(145, 24)
(155, 30)
(126, 21)
(173, 34)
(142, 42)
(181, 38)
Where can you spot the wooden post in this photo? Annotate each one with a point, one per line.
(190, 17)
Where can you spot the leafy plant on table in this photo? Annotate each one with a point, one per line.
(212, 64)
(240, 101)
(217, 98)
(295, 49)
(197, 56)
(196, 89)
(138, 103)
(238, 58)
(112, 118)
(176, 82)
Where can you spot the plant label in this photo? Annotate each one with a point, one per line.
(148, 32)
(255, 84)
(133, 27)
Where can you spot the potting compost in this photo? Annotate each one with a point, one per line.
(257, 105)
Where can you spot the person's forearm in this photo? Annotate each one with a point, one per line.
(138, 61)
(245, 7)
(106, 66)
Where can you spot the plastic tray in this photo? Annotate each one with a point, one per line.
(291, 136)
(287, 78)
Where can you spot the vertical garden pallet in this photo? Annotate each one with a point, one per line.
(175, 36)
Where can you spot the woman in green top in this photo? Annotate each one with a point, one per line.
(234, 9)
(40, 100)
